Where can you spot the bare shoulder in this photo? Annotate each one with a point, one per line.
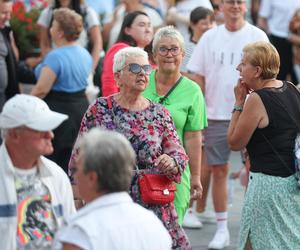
(253, 100)
(256, 110)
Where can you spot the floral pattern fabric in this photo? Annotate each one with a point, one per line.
(152, 133)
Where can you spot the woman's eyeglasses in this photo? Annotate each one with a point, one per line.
(232, 2)
(163, 51)
(136, 68)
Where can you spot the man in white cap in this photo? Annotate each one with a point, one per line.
(35, 193)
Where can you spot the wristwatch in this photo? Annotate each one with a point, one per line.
(237, 108)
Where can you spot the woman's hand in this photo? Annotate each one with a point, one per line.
(196, 187)
(241, 90)
(166, 164)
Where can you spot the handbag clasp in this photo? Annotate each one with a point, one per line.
(166, 191)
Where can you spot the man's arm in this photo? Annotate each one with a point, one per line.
(45, 42)
(263, 23)
(97, 45)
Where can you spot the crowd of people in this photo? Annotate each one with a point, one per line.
(182, 83)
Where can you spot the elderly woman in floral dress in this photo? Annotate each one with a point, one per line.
(149, 128)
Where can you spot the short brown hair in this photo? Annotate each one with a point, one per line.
(69, 22)
(264, 55)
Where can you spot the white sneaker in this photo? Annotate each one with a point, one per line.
(190, 220)
(220, 240)
(207, 217)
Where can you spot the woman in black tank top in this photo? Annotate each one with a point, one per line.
(266, 123)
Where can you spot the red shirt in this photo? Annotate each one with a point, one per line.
(109, 85)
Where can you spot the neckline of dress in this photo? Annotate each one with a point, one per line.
(117, 105)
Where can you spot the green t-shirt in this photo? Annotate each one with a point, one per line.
(187, 107)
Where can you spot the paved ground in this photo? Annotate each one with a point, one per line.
(201, 237)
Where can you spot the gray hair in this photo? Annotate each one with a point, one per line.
(5, 131)
(122, 55)
(111, 156)
(167, 31)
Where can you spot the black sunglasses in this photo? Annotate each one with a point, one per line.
(136, 68)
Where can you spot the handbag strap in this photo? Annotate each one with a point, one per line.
(161, 101)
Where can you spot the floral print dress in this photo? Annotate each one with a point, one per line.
(152, 133)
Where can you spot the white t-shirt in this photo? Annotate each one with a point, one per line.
(91, 19)
(278, 14)
(216, 57)
(185, 8)
(189, 48)
(114, 221)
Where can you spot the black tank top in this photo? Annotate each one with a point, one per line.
(281, 132)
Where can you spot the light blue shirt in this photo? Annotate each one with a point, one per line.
(72, 66)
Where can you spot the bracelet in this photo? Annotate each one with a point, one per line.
(237, 108)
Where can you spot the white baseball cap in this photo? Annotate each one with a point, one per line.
(29, 111)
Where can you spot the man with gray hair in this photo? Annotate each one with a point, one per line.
(35, 193)
(110, 220)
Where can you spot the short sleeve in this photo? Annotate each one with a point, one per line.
(91, 18)
(73, 235)
(196, 119)
(265, 8)
(154, 17)
(45, 18)
(52, 61)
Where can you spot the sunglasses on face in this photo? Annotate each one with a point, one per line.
(163, 51)
(136, 68)
(232, 2)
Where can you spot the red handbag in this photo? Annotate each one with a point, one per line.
(156, 189)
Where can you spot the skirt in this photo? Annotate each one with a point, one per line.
(74, 105)
(271, 213)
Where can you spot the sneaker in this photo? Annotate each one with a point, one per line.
(207, 217)
(190, 220)
(220, 240)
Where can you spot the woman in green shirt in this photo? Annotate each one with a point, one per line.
(184, 99)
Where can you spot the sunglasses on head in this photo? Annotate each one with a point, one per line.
(136, 68)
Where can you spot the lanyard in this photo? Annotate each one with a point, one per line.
(161, 101)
